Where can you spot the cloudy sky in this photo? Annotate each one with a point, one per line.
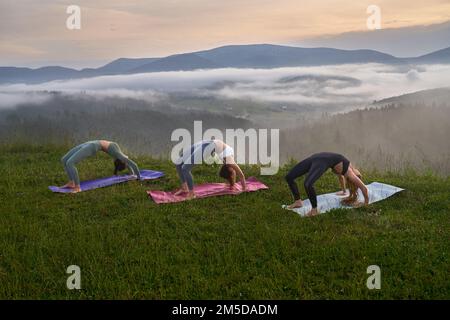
(34, 33)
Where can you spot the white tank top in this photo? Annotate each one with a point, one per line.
(227, 152)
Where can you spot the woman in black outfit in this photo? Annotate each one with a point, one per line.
(315, 166)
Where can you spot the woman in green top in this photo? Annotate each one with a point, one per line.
(89, 149)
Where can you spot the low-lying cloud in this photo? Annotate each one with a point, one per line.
(12, 99)
(339, 85)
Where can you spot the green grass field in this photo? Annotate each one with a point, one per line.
(231, 247)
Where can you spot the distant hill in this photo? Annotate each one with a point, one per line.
(437, 57)
(437, 96)
(124, 65)
(28, 75)
(184, 62)
(146, 127)
(234, 56)
(274, 56)
(411, 41)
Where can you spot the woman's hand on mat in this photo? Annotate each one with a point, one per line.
(358, 204)
(244, 185)
(341, 193)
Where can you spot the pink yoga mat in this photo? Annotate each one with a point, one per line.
(208, 190)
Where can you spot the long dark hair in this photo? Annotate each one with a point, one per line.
(119, 165)
(225, 172)
(353, 196)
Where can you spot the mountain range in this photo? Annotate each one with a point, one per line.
(409, 41)
(233, 56)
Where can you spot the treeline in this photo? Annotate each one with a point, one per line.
(142, 127)
(393, 137)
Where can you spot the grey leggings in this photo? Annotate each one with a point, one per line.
(77, 154)
(194, 156)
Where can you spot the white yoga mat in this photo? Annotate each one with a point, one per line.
(326, 202)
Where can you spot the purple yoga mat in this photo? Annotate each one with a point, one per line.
(208, 190)
(105, 182)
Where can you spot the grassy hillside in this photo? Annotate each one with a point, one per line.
(235, 247)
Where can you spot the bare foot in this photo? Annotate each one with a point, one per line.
(180, 191)
(296, 204)
(70, 185)
(190, 196)
(312, 213)
(76, 189)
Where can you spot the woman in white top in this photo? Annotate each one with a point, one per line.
(197, 154)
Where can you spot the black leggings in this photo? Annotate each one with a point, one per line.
(315, 170)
